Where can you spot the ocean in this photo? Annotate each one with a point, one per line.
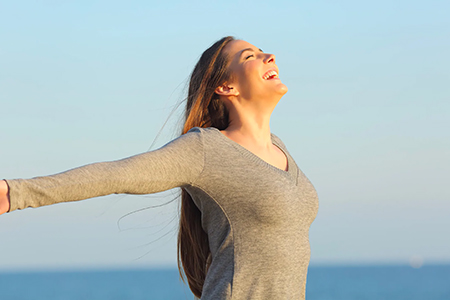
(324, 283)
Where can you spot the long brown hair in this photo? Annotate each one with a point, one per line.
(203, 109)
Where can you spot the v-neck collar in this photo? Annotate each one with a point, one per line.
(290, 162)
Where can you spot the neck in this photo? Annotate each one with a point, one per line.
(253, 126)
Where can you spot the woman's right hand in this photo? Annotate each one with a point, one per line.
(4, 197)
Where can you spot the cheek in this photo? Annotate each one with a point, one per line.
(246, 75)
(251, 73)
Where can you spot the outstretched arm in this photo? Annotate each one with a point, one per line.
(176, 164)
(4, 197)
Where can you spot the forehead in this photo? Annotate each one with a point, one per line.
(234, 48)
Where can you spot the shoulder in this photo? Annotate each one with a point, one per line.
(197, 136)
(193, 139)
(277, 141)
(207, 133)
(202, 131)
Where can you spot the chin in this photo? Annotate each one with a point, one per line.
(282, 89)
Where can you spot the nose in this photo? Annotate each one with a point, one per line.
(270, 58)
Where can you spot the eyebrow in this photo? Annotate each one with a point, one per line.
(248, 49)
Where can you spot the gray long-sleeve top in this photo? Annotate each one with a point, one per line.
(257, 216)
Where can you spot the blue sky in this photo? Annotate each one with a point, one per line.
(366, 118)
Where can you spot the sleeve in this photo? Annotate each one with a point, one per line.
(176, 164)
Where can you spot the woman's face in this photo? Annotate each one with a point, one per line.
(254, 73)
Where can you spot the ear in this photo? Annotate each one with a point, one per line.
(226, 90)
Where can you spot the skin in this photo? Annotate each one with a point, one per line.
(251, 99)
(4, 197)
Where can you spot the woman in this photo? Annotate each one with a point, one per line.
(246, 206)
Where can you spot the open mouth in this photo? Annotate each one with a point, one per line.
(271, 74)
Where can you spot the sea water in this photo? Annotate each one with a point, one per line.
(324, 283)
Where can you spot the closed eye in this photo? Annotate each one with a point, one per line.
(249, 56)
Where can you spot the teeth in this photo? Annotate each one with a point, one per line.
(269, 74)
